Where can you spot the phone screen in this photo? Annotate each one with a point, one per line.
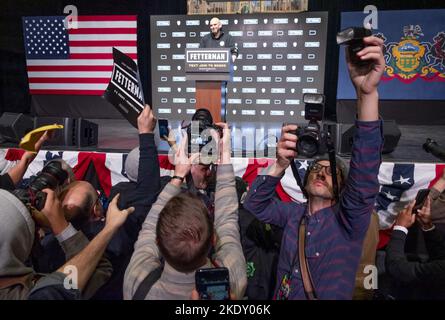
(163, 127)
(213, 283)
(420, 199)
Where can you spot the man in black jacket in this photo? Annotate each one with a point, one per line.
(217, 38)
(427, 277)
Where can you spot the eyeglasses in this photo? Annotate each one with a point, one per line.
(316, 167)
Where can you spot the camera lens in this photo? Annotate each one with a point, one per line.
(52, 175)
(308, 144)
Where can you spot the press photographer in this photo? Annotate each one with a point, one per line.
(337, 225)
(52, 176)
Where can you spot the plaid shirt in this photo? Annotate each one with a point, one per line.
(228, 251)
(334, 235)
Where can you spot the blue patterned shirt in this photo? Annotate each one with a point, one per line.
(334, 235)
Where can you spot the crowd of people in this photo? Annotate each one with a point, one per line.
(60, 241)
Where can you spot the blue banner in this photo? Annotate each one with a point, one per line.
(414, 55)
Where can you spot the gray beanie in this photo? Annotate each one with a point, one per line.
(132, 165)
(17, 231)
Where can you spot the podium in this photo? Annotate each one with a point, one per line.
(210, 68)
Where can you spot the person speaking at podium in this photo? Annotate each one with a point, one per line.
(217, 38)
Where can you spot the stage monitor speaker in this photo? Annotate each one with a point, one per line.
(13, 126)
(343, 134)
(77, 132)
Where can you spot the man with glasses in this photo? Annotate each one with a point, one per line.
(333, 230)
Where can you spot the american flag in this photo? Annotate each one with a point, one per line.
(75, 61)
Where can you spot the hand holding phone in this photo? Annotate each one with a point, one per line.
(213, 283)
(163, 128)
(420, 199)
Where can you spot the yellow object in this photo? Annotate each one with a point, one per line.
(29, 140)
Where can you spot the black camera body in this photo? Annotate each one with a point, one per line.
(311, 139)
(432, 147)
(353, 38)
(51, 176)
(202, 122)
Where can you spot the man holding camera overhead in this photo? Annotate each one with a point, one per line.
(323, 238)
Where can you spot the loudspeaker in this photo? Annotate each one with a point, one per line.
(77, 132)
(343, 134)
(13, 126)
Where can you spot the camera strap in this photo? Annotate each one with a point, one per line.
(333, 163)
(308, 284)
(297, 177)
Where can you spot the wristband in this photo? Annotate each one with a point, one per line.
(179, 178)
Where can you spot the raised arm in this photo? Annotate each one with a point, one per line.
(88, 264)
(362, 185)
(228, 247)
(146, 255)
(261, 200)
(438, 199)
(406, 271)
(148, 180)
(17, 172)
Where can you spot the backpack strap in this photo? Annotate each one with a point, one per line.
(304, 266)
(147, 283)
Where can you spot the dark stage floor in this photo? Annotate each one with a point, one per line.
(120, 136)
(117, 135)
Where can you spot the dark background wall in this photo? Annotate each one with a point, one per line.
(14, 95)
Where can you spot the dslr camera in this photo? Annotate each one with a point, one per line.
(353, 38)
(198, 131)
(311, 139)
(51, 176)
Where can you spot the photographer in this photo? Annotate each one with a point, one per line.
(427, 277)
(201, 178)
(82, 207)
(177, 235)
(92, 268)
(333, 231)
(18, 234)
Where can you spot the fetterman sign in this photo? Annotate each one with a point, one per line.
(124, 90)
(207, 60)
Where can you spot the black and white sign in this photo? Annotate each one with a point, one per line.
(125, 90)
(206, 60)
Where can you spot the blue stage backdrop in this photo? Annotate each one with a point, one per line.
(414, 54)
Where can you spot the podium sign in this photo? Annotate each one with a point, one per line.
(210, 69)
(208, 64)
(210, 60)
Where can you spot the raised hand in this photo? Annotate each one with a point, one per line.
(146, 120)
(367, 77)
(406, 218)
(115, 217)
(424, 215)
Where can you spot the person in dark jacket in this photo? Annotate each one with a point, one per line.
(426, 277)
(217, 38)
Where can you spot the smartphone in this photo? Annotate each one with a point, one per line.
(163, 127)
(213, 283)
(420, 199)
